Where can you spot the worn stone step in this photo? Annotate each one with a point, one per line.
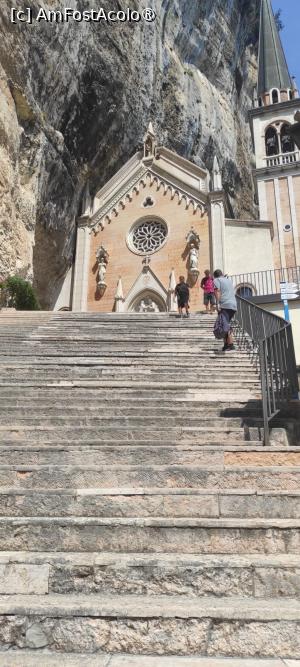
(229, 477)
(38, 658)
(73, 397)
(132, 358)
(120, 454)
(245, 390)
(129, 421)
(150, 502)
(208, 627)
(175, 535)
(128, 377)
(202, 444)
(149, 453)
(127, 433)
(114, 409)
(249, 575)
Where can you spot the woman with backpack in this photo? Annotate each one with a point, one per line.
(227, 306)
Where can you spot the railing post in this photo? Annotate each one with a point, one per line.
(263, 381)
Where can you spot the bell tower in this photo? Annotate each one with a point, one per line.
(277, 168)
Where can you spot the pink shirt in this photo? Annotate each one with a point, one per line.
(208, 285)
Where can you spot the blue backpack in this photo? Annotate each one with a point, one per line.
(222, 327)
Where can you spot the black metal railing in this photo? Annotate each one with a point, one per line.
(269, 340)
(264, 283)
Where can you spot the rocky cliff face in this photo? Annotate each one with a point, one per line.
(76, 99)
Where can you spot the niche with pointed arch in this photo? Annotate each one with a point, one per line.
(148, 301)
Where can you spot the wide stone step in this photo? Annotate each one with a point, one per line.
(128, 455)
(37, 658)
(207, 627)
(229, 477)
(104, 433)
(71, 397)
(150, 502)
(114, 409)
(149, 535)
(114, 453)
(181, 357)
(123, 375)
(218, 443)
(172, 361)
(249, 575)
(128, 421)
(245, 390)
(74, 391)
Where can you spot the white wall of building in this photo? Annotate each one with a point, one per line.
(294, 307)
(248, 247)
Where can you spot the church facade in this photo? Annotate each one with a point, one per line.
(161, 216)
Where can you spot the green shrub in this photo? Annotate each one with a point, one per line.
(22, 294)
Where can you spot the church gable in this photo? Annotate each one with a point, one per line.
(178, 178)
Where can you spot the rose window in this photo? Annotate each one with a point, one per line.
(148, 236)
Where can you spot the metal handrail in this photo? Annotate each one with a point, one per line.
(269, 340)
(264, 283)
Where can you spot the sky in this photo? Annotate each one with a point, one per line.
(290, 16)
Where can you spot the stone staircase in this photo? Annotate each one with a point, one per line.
(140, 526)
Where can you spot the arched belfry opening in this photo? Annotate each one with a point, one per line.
(272, 143)
(287, 142)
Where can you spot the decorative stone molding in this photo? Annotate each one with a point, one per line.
(110, 211)
(106, 213)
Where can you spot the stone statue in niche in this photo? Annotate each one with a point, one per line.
(193, 245)
(193, 256)
(193, 237)
(102, 255)
(102, 258)
(101, 273)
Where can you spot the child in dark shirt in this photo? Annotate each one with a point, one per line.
(182, 292)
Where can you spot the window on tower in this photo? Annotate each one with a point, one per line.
(275, 96)
(287, 143)
(272, 143)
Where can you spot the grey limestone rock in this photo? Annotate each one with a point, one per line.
(36, 637)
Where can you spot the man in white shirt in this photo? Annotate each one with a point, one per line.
(226, 301)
